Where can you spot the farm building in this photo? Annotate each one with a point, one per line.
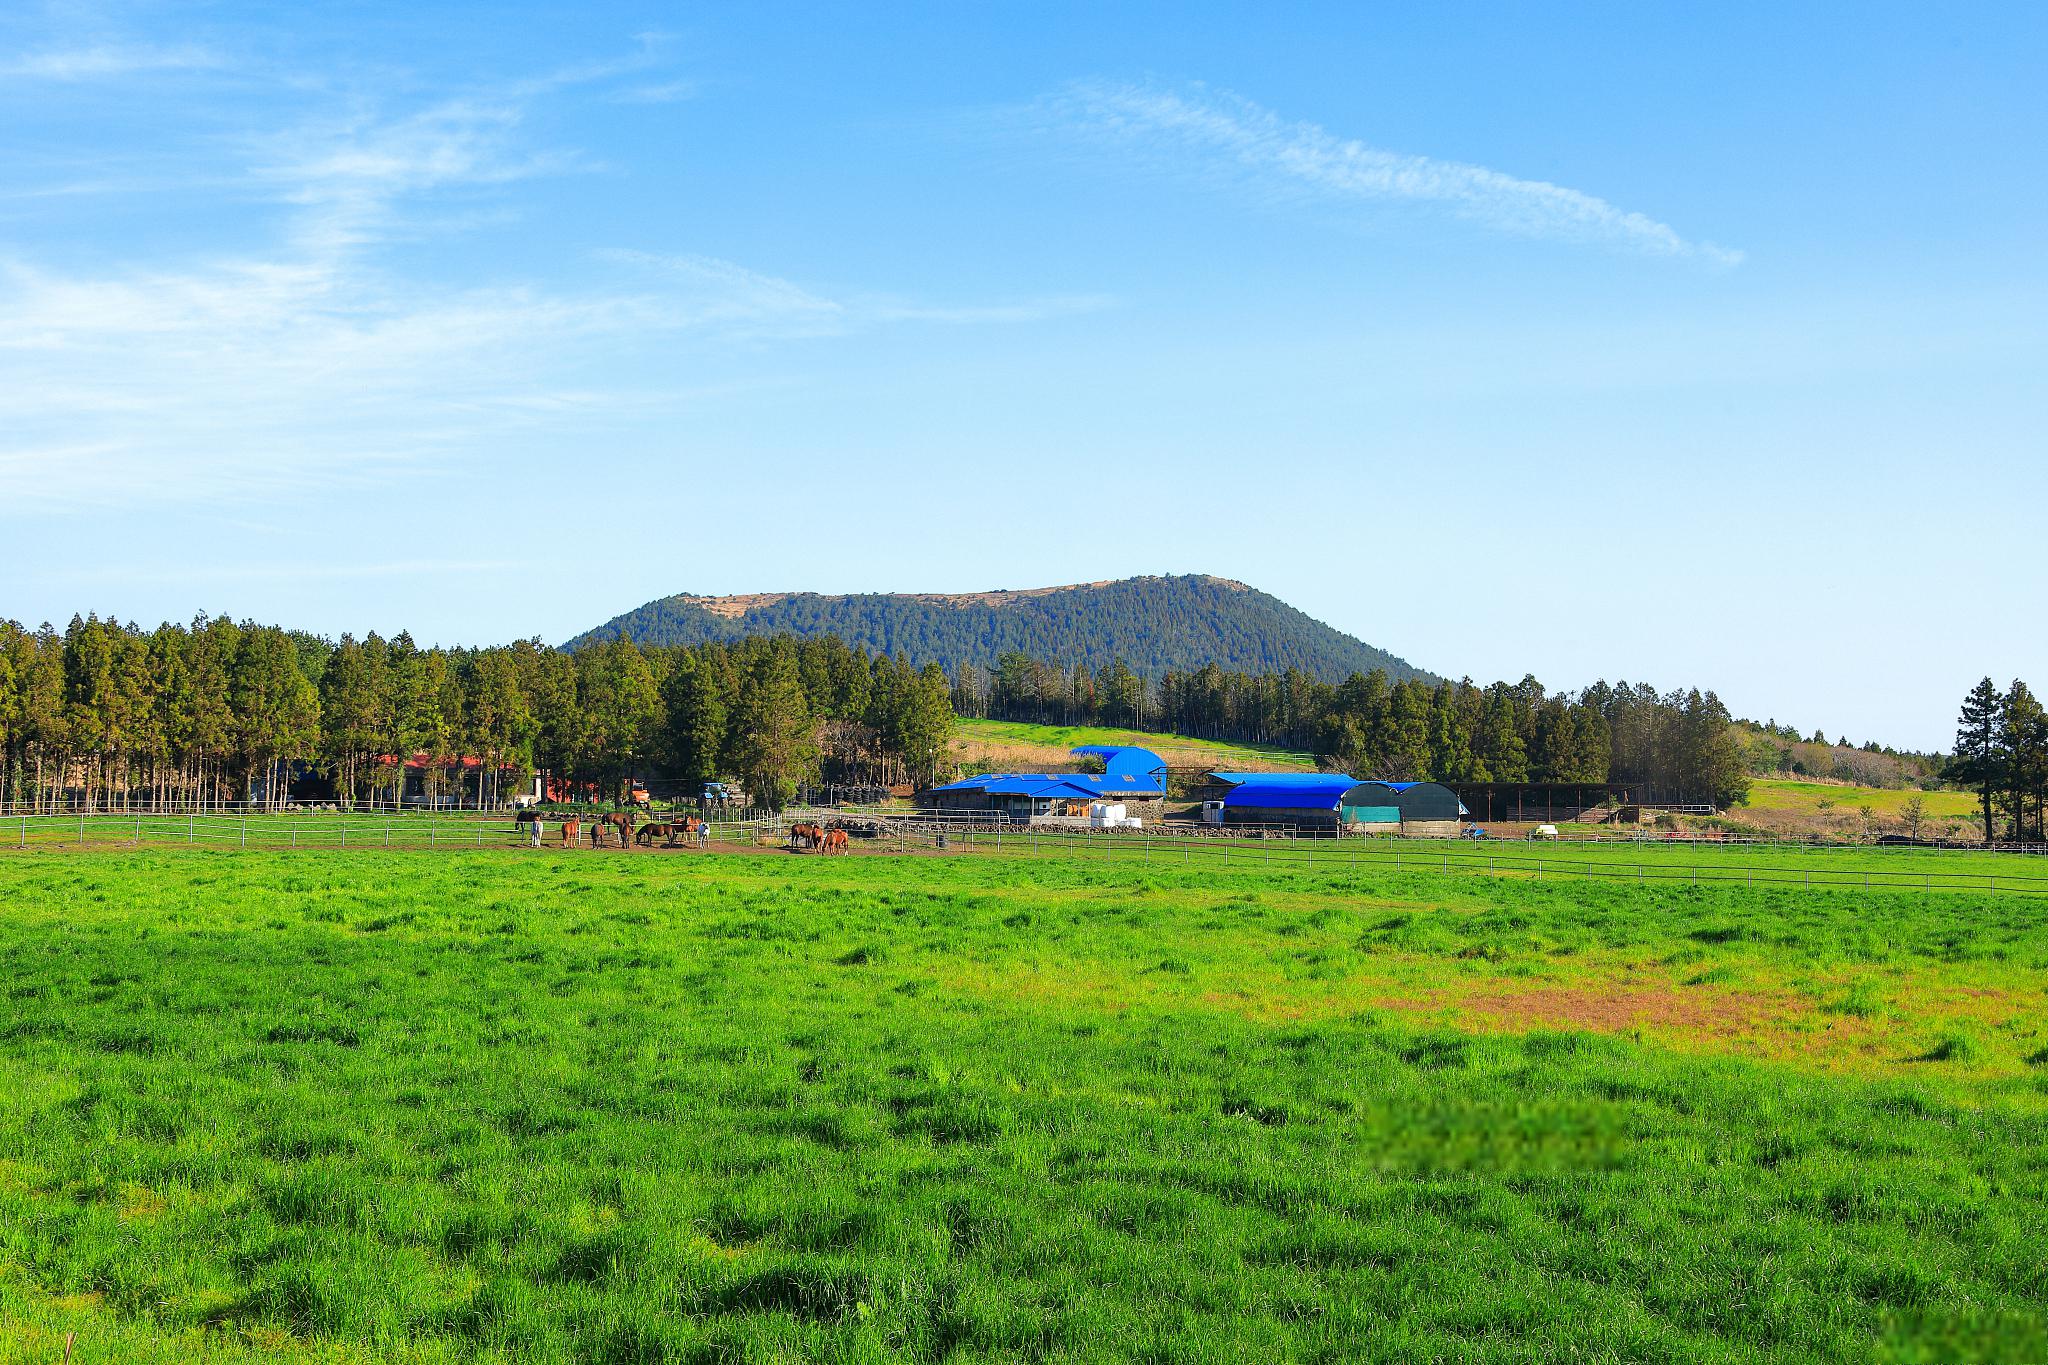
(1136, 773)
(1303, 800)
(1032, 796)
(1135, 779)
(1412, 807)
(1335, 801)
(1544, 801)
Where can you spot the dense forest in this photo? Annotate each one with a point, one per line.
(211, 711)
(1678, 745)
(207, 713)
(2002, 753)
(1153, 625)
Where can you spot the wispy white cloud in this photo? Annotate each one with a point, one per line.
(663, 92)
(734, 298)
(318, 362)
(1219, 135)
(104, 61)
(348, 177)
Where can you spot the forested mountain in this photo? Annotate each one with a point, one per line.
(1153, 625)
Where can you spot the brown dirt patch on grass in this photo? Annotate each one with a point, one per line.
(1662, 1007)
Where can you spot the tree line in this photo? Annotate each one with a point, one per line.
(219, 711)
(1673, 745)
(2002, 752)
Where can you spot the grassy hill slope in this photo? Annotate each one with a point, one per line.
(1013, 746)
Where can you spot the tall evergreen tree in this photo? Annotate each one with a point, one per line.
(1976, 762)
(773, 741)
(2023, 750)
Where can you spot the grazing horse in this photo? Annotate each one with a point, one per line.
(619, 820)
(834, 841)
(652, 830)
(572, 832)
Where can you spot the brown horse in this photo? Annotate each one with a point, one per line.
(833, 841)
(572, 832)
(805, 835)
(622, 821)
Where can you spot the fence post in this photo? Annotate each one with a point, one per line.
(245, 829)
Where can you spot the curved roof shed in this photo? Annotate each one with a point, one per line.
(1407, 800)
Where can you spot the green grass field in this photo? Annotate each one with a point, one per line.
(498, 1106)
(1019, 742)
(1777, 794)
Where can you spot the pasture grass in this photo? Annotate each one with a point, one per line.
(370, 1107)
(1783, 795)
(1020, 743)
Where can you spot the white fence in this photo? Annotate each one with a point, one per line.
(1164, 847)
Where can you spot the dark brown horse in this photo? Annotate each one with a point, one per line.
(805, 835)
(620, 821)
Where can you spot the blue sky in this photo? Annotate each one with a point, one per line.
(1702, 345)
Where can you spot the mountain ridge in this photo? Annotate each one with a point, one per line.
(1155, 624)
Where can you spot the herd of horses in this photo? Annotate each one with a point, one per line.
(817, 838)
(622, 828)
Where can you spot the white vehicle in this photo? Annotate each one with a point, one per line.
(1543, 832)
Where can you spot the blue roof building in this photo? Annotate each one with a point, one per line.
(1133, 771)
(1131, 777)
(1333, 801)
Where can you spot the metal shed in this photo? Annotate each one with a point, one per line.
(1304, 800)
(1027, 796)
(1399, 803)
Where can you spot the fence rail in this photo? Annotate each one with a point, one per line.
(460, 832)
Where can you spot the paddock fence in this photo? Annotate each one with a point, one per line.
(1162, 847)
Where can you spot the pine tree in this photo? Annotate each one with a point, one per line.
(693, 733)
(1976, 762)
(2023, 751)
(1500, 740)
(773, 736)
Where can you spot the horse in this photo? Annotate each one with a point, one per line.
(572, 832)
(805, 835)
(620, 820)
(834, 841)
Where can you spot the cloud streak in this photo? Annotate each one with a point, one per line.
(314, 361)
(105, 61)
(1222, 136)
(710, 292)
